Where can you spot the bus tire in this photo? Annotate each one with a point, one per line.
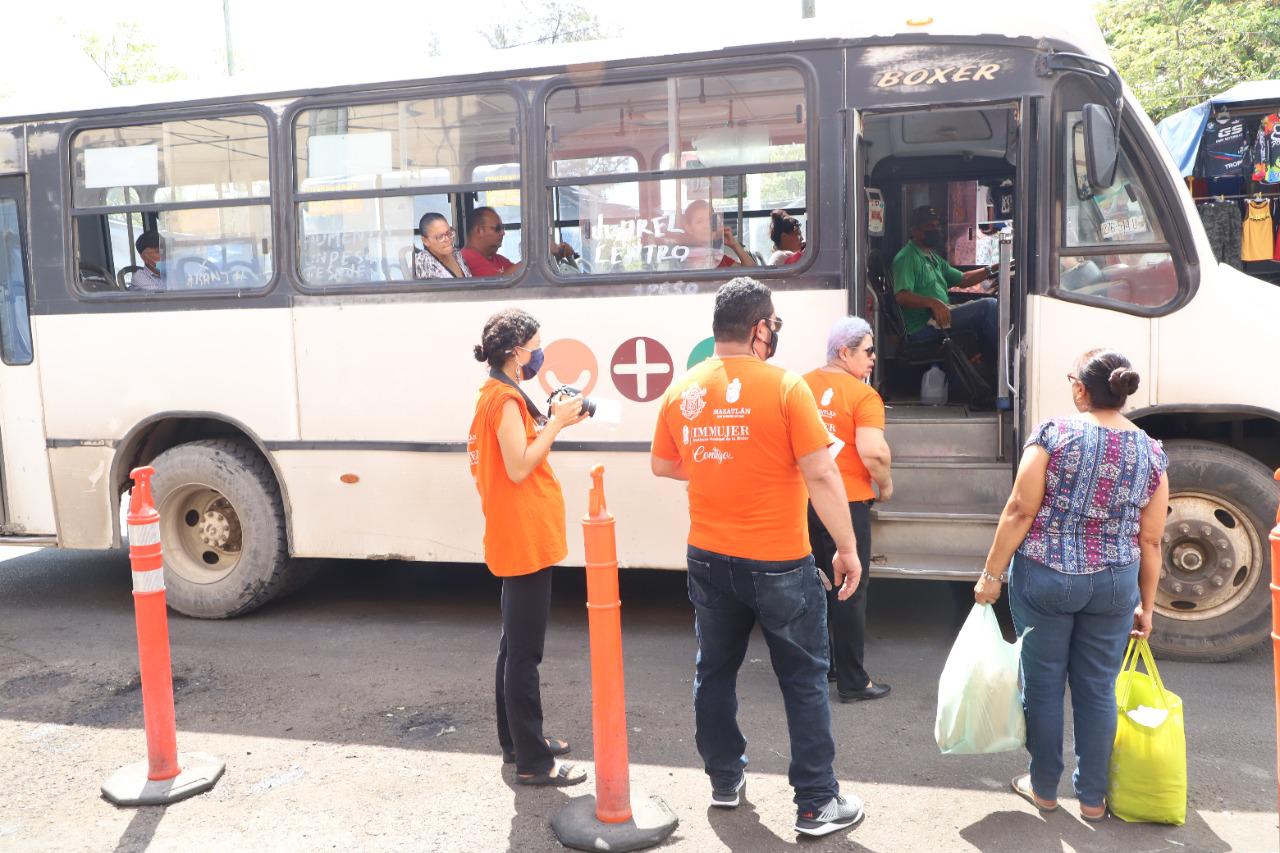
(1213, 601)
(222, 529)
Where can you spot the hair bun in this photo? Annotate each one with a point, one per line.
(1123, 381)
(479, 352)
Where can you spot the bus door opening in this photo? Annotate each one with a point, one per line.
(940, 189)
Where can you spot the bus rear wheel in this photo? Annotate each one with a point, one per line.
(1213, 599)
(222, 529)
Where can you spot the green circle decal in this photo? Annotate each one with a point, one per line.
(703, 351)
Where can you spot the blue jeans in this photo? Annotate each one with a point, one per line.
(729, 595)
(1074, 630)
(980, 315)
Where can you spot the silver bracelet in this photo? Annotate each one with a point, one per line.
(993, 578)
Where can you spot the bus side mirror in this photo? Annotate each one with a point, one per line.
(1101, 155)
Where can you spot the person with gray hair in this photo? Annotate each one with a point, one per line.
(854, 415)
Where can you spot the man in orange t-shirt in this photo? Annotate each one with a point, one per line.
(854, 414)
(748, 438)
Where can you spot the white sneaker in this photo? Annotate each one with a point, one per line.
(840, 813)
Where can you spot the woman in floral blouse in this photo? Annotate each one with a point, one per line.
(1082, 528)
(442, 258)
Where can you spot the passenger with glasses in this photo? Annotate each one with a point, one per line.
(441, 258)
(854, 415)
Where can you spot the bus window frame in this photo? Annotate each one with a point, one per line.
(662, 72)
(128, 118)
(289, 121)
(1161, 192)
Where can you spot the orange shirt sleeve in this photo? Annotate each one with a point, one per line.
(806, 429)
(664, 443)
(869, 412)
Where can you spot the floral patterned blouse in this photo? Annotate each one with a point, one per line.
(425, 265)
(1097, 483)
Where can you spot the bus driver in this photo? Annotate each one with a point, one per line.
(921, 278)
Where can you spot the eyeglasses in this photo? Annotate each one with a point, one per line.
(448, 235)
(775, 323)
(1071, 377)
(868, 351)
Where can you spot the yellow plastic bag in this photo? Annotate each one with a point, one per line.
(1148, 781)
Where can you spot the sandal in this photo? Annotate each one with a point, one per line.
(1022, 787)
(1094, 818)
(561, 774)
(555, 746)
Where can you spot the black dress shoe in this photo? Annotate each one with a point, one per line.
(874, 691)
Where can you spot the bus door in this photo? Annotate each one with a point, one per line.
(26, 498)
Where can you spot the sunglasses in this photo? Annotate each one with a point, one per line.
(776, 323)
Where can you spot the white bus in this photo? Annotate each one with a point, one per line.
(302, 395)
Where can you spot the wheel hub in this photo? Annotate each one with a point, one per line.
(216, 529)
(200, 530)
(1210, 558)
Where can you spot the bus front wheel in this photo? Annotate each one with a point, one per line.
(222, 529)
(1213, 600)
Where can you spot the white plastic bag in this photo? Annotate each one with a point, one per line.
(979, 700)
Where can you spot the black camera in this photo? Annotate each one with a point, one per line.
(568, 391)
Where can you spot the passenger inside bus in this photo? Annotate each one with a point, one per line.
(485, 234)
(706, 236)
(442, 259)
(151, 275)
(788, 240)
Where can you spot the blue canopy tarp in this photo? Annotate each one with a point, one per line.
(1181, 132)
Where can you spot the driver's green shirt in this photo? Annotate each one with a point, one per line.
(924, 274)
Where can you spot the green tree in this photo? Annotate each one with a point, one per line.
(125, 58)
(1176, 53)
(544, 22)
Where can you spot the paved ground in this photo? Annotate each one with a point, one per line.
(357, 716)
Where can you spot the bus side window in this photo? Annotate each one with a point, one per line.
(1112, 246)
(15, 322)
(151, 212)
(368, 173)
(628, 203)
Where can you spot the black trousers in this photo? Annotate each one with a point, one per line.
(846, 620)
(526, 608)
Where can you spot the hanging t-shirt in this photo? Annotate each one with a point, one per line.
(1256, 236)
(1224, 148)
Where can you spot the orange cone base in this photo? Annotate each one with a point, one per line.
(577, 827)
(129, 786)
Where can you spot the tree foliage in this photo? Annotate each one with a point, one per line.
(1176, 53)
(125, 57)
(544, 22)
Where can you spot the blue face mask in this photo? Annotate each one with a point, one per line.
(160, 268)
(530, 370)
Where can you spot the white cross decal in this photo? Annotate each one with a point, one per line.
(642, 368)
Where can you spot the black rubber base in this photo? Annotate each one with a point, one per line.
(577, 826)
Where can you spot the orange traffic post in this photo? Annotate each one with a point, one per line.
(165, 777)
(614, 819)
(1275, 630)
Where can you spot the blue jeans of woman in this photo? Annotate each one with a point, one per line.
(730, 595)
(1074, 629)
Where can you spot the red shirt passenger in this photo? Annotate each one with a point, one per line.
(482, 266)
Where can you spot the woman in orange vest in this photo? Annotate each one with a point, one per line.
(854, 414)
(524, 533)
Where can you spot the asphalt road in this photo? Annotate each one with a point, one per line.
(357, 715)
